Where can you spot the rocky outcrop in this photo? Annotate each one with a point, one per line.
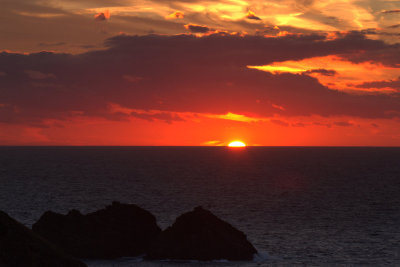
(20, 247)
(200, 235)
(119, 230)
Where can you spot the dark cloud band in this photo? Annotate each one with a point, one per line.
(185, 73)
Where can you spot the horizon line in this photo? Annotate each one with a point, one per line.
(226, 146)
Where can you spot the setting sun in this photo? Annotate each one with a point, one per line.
(237, 144)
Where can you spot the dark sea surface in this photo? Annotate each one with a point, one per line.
(298, 205)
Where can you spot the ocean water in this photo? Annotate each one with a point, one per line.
(318, 206)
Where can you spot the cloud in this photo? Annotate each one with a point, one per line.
(235, 117)
(344, 75)
(146, 25)
(37, 75)
(280, 122)
(132, 78)
(186, 73)
(324, 72)
(391, 11)
(52, 44)
(395, 84)
(102, 16)
(298, 124)
(144, 17)
(214, 143)
(39, 31)
(343, 123)
(175, 15)
(322, 124)
(197, 28)
(252, 15)
(388, 56)
(278, 107)
(167, 117)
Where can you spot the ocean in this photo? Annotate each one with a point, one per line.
(319, 206)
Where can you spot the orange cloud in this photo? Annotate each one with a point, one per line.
(40, 15)
(214, 143)
(278, 107)
(391, 11)
(192, 116)
(175, 15)
(207, 131)
(102, 16)
(339, 74)
(252, 15)
(236, 117)
(197, 28)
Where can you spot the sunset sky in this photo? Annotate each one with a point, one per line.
(195, 72)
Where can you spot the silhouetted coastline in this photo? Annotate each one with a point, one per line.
(119, 230)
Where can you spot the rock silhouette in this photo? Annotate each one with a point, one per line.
(20, 247)
(118, 230)
(200, 235)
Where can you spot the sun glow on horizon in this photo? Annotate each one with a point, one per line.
(236, 144)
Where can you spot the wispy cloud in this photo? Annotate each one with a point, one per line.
(391, 11)
(340, 74)
(197, 28)
(252, 15)
(175, 15)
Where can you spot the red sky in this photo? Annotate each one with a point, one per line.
(194, 72)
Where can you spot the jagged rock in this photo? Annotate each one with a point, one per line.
(20, 247)
(119, 230)
(200, 235)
